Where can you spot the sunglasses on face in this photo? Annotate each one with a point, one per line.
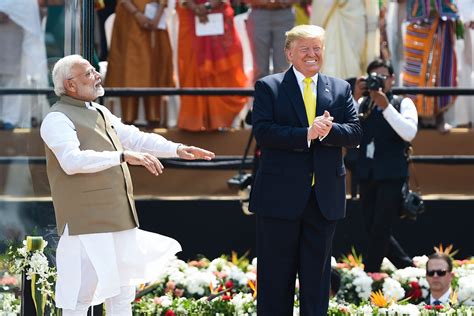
(440, 273)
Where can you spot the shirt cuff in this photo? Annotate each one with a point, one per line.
(176, 149)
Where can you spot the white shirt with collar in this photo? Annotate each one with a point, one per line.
(444, 299)
(300, 79)
(404, 123)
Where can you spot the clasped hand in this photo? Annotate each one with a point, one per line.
(321, 126)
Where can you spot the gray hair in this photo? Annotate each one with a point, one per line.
(304, 31)
(62, 71)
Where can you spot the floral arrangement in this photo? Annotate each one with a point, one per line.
(31, 260)
(227, 286)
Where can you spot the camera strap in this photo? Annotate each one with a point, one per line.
(246, 152)
(415, 178)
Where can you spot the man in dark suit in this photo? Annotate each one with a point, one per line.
(301, 121)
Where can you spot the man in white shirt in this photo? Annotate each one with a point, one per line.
(101, 254)
(439, 274)
(388, 122)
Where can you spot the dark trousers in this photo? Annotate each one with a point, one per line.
(380, 203)
(286, 248)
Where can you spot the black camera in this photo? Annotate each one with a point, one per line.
(240, 181)
(375, 81)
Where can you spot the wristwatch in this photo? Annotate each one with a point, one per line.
(122, 157)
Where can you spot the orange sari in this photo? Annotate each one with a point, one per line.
(209, 61)
(139, 58)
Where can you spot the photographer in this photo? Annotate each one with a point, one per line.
(388, 123)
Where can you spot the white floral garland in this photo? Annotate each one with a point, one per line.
(35, 263)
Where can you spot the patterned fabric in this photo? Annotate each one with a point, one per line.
(430, 59)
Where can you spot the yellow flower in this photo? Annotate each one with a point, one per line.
(235, 259)
(447, 251)
(379, 300)
(253, 287)
(353, 260)
(453, 298)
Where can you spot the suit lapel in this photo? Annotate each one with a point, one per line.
(324, 97)
(292, 89)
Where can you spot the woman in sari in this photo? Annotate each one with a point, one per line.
(209, 61)
(140, 56)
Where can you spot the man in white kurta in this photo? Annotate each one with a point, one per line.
(94, 267)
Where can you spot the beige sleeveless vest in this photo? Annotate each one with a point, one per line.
(91, 202)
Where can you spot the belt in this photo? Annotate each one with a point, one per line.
(272, 6)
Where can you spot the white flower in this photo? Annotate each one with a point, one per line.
(408, 274)
(177, 277)
(333, 262)
(254, 261)
(219, 264)
(465, 270)
(365, 310)
(409, 309)
(166, 301)
(239, 301)
(420, 261)
(197, 281)
(362, 283)
(238, 275)
(393, 289)
(251, 276)
(387, 266)
(466, 290)
(22, 251)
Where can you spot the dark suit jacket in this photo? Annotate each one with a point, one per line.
(283, 181)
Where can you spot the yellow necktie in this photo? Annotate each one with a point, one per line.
(309, 99)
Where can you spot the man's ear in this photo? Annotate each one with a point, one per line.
(289, 56)
(69, 85)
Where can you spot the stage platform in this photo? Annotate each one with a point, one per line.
(436, 181)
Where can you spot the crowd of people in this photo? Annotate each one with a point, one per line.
(161, 44)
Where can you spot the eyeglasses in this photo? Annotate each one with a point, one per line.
(89, 74)
(440, 273)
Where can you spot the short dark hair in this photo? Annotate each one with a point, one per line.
(441, 256)
(379, 62)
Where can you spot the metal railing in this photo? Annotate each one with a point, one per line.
(116, 92)
(235, 162)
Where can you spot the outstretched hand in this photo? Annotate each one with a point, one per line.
(192, 153)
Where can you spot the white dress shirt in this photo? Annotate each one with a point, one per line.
(444, 299)
(119, 259)
(314, 84)
(405, 122)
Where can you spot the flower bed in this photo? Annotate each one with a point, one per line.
(227, 286)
